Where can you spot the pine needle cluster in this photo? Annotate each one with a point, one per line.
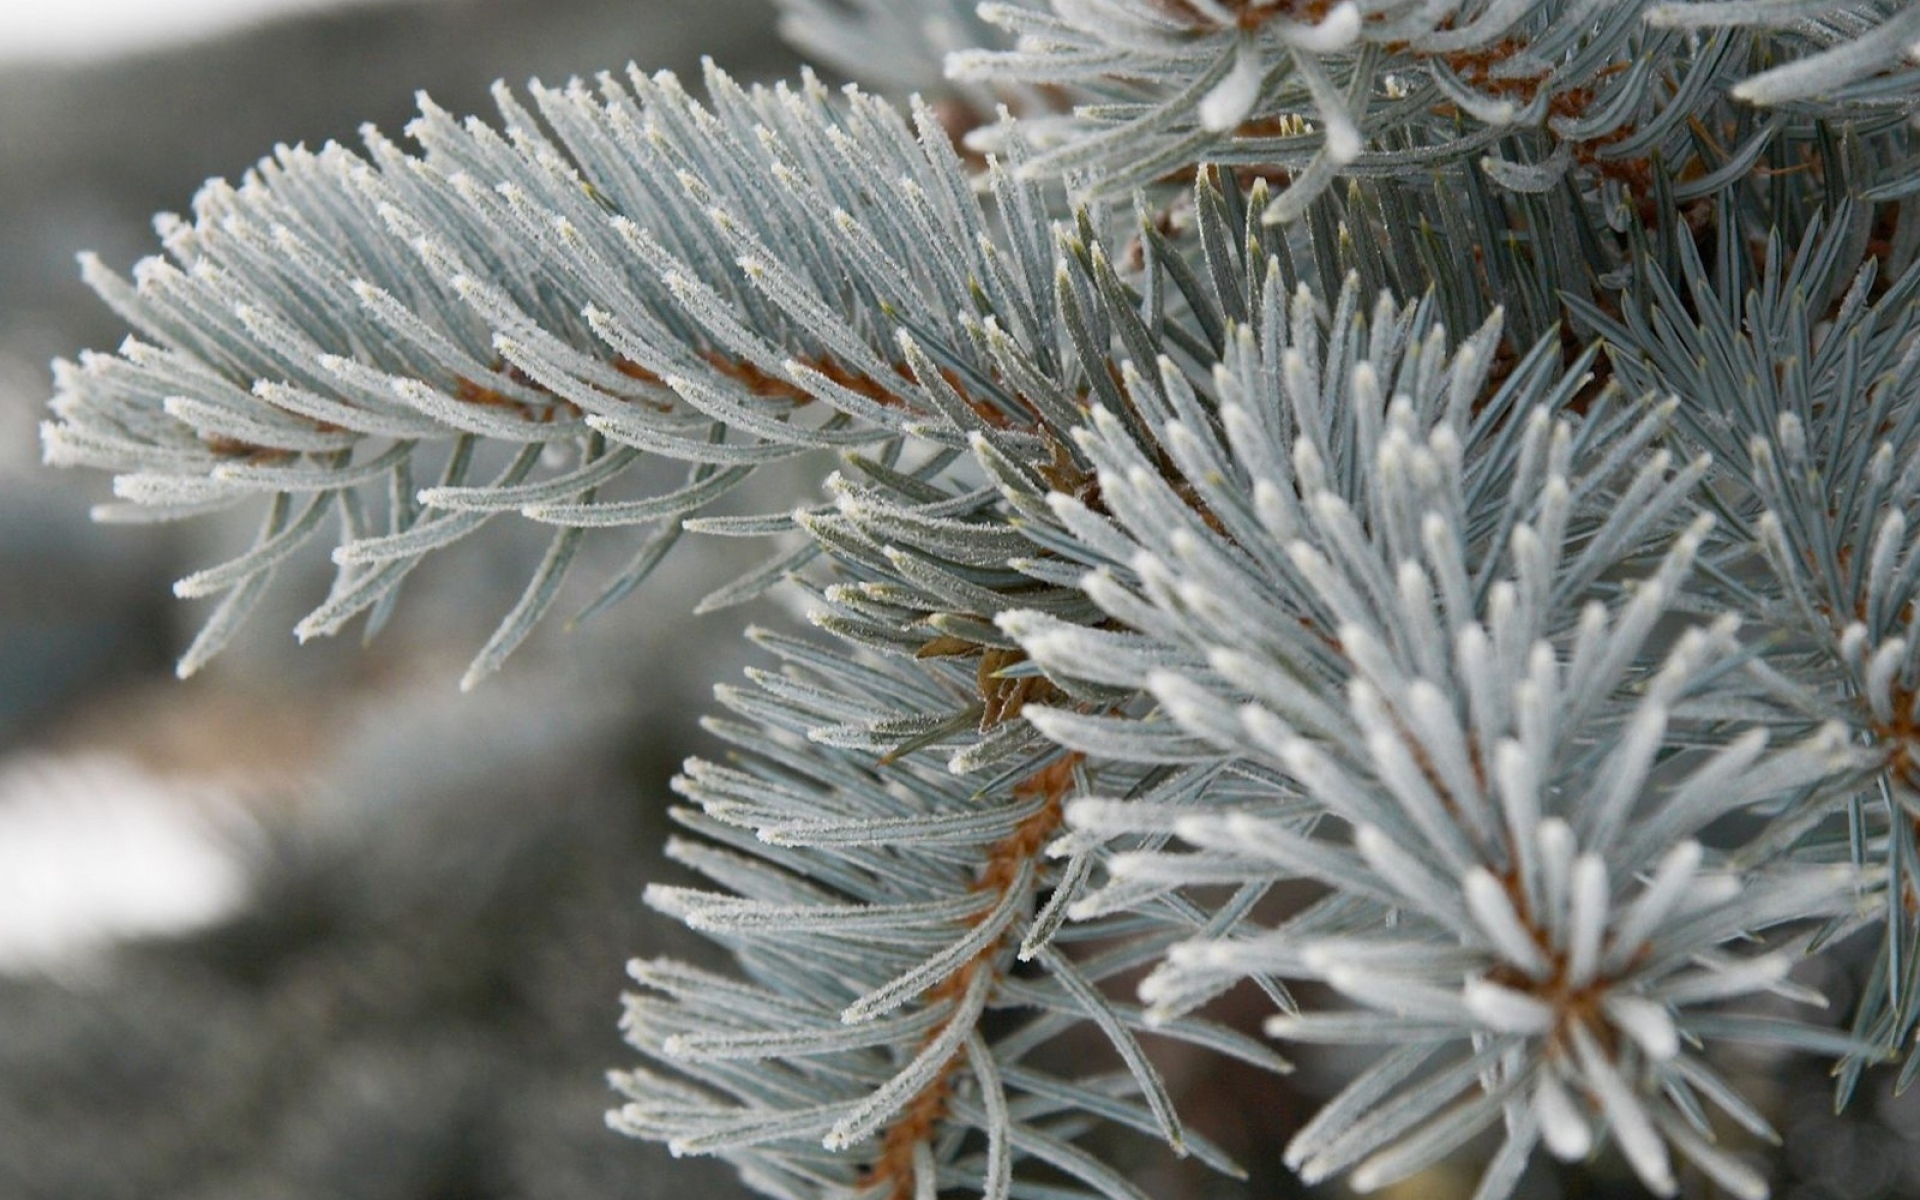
(1404, 509)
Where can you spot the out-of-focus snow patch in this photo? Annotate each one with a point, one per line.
(95, 851)
(72, 30)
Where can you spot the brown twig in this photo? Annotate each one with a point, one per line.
(1004, 866)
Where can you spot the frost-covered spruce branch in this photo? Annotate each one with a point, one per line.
(876, 904)
(1511, 543)
(629, 276)
(1530, 92)
(1393, 602)
(1820, 446)
(909, 801)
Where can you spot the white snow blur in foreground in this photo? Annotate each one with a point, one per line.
(94, 851)
(86, 29)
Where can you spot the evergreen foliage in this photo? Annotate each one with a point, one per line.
(1458, 461)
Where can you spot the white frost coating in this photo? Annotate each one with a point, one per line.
(94, 852)
(1488, 902)
(1646, 1023)
(1632, 1127)
(1872, 51)
(1568, 1136)
(1233, 97)
(1587, 917)
(1506, 1010)
(1343, 136)
(1338, 30)
(1882, 670)
(1662, 895)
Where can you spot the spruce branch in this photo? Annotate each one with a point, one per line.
(877, 908)
(1473, 487)
(1397, 604)
(1536, 93)
(593, 288)
(1813, 376)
